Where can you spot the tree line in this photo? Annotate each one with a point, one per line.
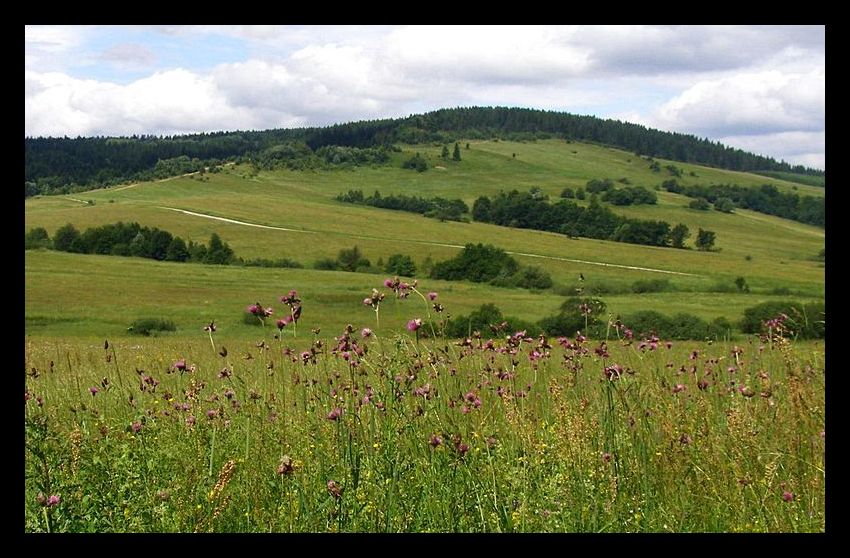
(765, 199)
(525, 210)
(52, 164)
(436, 207)
(132, 239)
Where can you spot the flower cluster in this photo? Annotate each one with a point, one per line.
(400, 288)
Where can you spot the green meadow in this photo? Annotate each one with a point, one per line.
(770, 253)
(322, 427)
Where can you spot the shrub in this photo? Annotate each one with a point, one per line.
(700, 204)
(478, 263)
(400, 264)
(651, 286)
(486, 319)
(806, 321)
(150, 326)
(326, 264)
(37, 238)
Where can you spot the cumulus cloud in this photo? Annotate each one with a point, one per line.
(747, 104)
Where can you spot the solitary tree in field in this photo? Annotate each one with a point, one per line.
(705, 240)
(456, 154)
(445, 153)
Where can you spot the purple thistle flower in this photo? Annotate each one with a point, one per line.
(135, 427)
(414, 324)
(366, 332)
(432, 296)
(435, 440)
(679, 387)
(93, 391)
(180, 365)
(281, 324)
(367, 301)
(334, 489)
(462, 449)
(52, 500)
(606, 457)
(335, 414)
(190, 420)
(786, 496)
(211, 414)
(389, 283)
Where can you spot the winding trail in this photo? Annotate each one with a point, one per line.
(426, 242)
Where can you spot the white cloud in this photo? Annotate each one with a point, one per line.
(748, 104)
(721, 82)
(175, 101)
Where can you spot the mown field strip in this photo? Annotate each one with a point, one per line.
(604, 264)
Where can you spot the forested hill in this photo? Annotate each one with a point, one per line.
(64, 164)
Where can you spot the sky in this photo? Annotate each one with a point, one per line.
(758, 88)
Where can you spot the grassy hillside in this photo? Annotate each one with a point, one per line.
(771, 253)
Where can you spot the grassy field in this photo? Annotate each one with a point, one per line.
(168, 436)
(116, 291)
(320, 428)
(770, 253)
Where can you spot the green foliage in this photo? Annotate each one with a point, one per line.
(37, 237)
(680, 326)
(266, 262)
(634, 195)
(400, 264)
(577, 314)
(651, 286)
(351, 259)
(219, 252)
(724, 205)
(65, 237)
(477, 263)
(700, 204)
(150, 326)
(487, 320)
(326, 264)
(436, 207)
(805, 321)
(678, 235)
(456, 152)
(416, 162)
(177, 250)
(568, 193)
(705, 239)
(596, 186)
(741, 283)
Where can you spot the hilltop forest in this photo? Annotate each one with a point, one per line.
(63, 165)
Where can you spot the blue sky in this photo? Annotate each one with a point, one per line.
(760, 88)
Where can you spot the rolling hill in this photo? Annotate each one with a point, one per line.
(283, 213)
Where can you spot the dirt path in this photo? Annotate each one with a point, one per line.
(429, 243)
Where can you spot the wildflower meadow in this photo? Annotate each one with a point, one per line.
(372, 430)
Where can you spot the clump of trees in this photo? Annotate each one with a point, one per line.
(765, 199)
(482, 263)
(632, 195)
(527, 211)
(436, 207)
(132, 239)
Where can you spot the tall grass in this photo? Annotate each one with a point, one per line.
(407, 434)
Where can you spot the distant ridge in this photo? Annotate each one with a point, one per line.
(52, 163)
